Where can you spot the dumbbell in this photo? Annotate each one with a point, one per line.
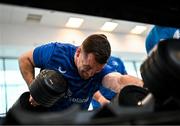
(131, 95)
(48, 87)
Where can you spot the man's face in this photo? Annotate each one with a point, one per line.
(87, 65)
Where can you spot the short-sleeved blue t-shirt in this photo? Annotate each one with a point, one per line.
(118, 66)
(60, 57)
(159, 33)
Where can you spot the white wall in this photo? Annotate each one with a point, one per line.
(18, 38)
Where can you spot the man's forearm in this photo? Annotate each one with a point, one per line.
(128, 79)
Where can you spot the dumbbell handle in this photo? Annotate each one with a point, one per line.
(146, 100)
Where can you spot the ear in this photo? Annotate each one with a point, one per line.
(78, 51)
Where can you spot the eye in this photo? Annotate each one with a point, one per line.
(98, 71)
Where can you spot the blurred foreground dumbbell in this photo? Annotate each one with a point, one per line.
(47, 88)
(161, 74)
(132, 95)
(131, 101)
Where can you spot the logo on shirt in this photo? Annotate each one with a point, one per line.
(61, 71)
(75, 100)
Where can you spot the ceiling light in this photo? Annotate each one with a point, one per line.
(74, 22)
(109, 26)
(138, 29)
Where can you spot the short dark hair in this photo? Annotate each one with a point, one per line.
(99, 45)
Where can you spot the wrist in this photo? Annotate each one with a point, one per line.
(103, 101)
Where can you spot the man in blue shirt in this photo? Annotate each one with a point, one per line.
(159, 33)
(98, 100)
(83, 67)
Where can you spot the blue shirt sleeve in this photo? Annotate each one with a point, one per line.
(117, 64)
(121, 68)
(42, 54)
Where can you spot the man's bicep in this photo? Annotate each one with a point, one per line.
(115, 81)
(111, 81)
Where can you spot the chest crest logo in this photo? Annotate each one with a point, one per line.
(61, 71)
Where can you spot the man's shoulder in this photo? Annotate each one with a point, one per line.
(106, 70)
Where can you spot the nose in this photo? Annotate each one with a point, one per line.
(90, 73)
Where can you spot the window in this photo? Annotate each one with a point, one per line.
(2, 90)
(15, 84)
(133, 68)
(12, 84)
(138, 65)
(130, 68)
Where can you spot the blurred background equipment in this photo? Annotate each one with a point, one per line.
(22, 113)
